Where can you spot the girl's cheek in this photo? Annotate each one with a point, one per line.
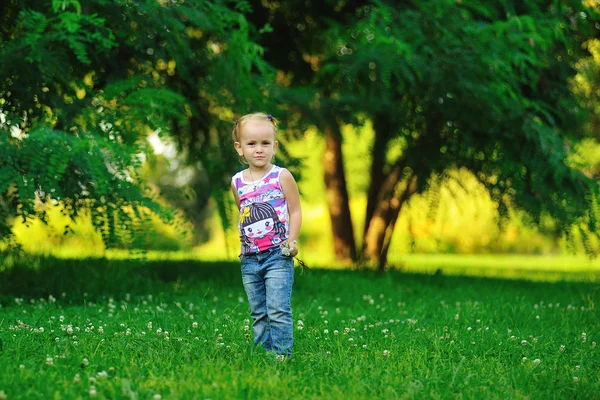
(269, 228)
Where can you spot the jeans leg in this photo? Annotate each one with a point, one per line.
(254, 285)
(279, 279)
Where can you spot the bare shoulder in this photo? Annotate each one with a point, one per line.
(286, 176)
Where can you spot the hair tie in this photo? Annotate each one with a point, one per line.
(270, 117)
(236, 121)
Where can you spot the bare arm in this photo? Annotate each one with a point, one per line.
(292, 196)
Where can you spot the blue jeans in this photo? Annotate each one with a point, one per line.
(268, 278)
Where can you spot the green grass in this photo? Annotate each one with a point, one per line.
(399, 335)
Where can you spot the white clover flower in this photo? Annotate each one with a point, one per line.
(593, 344)
(22, 366)
(575, 379)
(61, 318)
(583, 337)
(537, 361)
(456, 317)
(469, 329)
(524, 359)
(335, 332)
(386, 353)
(326, 331)
(85, 362)
(3, 395)
(100, 330)
(157, 397)
(562, 348)
(69, 330)
(93, 392)
(194, 325)
(49, 361)
(76, 378)
(351, 339)
(524, 342)
(102, 374)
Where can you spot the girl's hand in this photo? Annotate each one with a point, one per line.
(293, 250)
(289, 249)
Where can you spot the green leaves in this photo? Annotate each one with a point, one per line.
(62, 5)
(82, 87)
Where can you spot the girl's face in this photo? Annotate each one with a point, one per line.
(257, 143)
(259, 228)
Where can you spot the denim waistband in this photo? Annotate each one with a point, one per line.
(262, 253)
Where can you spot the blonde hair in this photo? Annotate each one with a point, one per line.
(257, 116)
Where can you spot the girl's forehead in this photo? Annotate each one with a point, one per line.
(258, 129)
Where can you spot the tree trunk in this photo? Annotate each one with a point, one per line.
(390, 200)
(337, 194)
(383, 129)
(396, 206)
(375, 231)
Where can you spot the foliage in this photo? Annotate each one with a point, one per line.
(82, 86)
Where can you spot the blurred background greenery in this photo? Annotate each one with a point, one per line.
(427, 127)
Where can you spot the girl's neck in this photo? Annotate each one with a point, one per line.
(259, 172)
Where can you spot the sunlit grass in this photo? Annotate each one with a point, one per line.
(177, 329)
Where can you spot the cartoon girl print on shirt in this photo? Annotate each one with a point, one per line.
(260, 226)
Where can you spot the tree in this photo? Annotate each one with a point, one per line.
(81, 87)
(482, 87)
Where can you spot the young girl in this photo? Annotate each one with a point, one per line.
(269, 224)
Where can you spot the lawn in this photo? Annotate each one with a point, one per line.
(179, 329)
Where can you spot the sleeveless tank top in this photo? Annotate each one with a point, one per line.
(263, 221)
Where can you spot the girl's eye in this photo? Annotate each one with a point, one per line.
(267, 223)
(249, 229)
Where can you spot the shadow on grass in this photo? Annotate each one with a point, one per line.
(31, 276)
(35, 276)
